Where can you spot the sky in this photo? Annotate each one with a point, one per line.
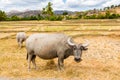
(71, 5)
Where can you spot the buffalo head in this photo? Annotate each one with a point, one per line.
(77, 49)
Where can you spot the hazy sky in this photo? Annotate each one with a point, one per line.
(72, 5)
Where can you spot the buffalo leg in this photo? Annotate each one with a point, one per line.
(29, 61)
(20, 43)
(33, 61)
(60, 63)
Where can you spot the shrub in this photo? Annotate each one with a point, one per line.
(14, 18)
(3, 16)
(55, 18)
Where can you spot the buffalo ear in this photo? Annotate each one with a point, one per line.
(83, 48)
(74, 47)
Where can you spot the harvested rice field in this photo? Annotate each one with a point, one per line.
(100, 62)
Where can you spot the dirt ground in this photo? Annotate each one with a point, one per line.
(100, 62)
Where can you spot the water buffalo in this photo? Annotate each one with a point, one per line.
(21, 37)
(49, 46)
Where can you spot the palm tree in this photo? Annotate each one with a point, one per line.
(49, 9)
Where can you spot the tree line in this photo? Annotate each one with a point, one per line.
(106, 15)
(48, 14)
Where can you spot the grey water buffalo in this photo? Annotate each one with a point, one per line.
(21, 37)
(49, 46)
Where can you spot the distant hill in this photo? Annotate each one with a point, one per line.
(115, 10)
(25, 13)
(34, 12)
(59, 12)
(112, 9)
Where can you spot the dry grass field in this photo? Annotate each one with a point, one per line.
(100, 62)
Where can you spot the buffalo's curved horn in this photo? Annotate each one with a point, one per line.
(85, 44)
(69, 42)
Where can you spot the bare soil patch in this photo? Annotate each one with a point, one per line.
(6, 35)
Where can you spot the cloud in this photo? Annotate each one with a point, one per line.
(84, 3)
(58, 4)
(92, 2)
(20, 5)
(111, 2)
(73, 5)
(89, 4)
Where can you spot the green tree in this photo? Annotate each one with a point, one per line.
(33, 18)
(15, 18)
(3, 16)
(43, 11)
(100, 16)
(65, 13)
(112, 6)
(48, 9)
(107, 14)
(119, 5)
(39, 17)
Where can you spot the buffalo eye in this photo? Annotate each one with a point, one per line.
(74, 47)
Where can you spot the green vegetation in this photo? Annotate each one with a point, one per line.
(107, 15)
(14, 18)
(2, 16)
(48, 10)
(65, 13)
(49, 14)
